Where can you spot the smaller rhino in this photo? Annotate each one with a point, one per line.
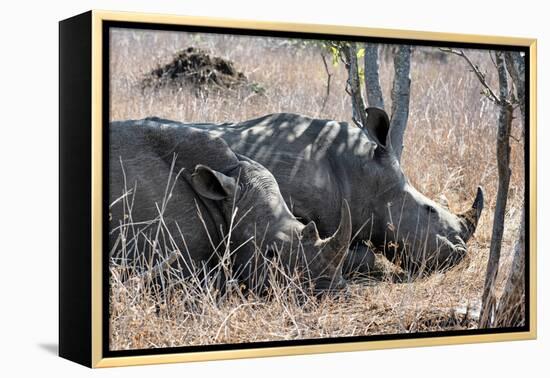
(202, 193)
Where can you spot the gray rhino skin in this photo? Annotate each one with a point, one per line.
(208, 177)
(320, 163)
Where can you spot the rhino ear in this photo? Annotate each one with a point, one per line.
(378, 126)
(212, 184)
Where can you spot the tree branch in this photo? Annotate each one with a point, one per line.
(480, 75)
(329, 77)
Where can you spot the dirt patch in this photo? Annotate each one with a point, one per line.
(198, 69)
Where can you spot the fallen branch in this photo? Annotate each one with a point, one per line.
(158, 269)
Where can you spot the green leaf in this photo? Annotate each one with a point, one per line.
(362, 74)
(335, 55)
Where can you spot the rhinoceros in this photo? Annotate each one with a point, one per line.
(201, 191)
(319, 164)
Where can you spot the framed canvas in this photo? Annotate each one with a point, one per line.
(235, 189)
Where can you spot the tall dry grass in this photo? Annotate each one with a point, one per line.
(450, 146)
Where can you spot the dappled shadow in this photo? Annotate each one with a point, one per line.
(302, 154)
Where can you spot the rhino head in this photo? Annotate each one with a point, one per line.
(263, 222)
(412, 230)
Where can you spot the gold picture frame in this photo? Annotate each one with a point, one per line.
(82, 276)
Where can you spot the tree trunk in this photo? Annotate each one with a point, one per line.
(354, 86)
(511, 306)
(400, 96)
(516, 67)
(372, 78)
(503, 161)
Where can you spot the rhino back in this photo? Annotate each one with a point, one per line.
(315, 162)
(141, 155)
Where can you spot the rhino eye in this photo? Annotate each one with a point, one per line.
(430, 209)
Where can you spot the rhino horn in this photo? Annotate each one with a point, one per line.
(339, 242)
(470, 217)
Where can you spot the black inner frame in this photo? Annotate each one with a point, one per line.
(106, 25)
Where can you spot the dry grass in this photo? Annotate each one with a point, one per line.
(449, 150)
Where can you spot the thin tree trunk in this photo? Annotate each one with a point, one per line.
(372, 78)
(511, 306)
(354, 86)
(516, 67)
(400, 96)
(329, 77)
(503, 161)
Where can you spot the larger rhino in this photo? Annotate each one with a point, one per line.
(198, 184)
(320, 163)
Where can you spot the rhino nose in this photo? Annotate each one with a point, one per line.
(450, 253)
